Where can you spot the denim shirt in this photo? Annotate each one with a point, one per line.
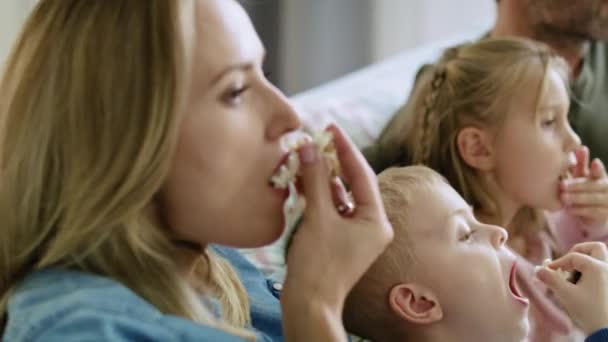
(65, 305)
(598, 336)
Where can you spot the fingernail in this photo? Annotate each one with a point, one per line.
(330, 126)
(346, 208)
(307, 154)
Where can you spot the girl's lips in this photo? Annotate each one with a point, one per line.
(515, 292)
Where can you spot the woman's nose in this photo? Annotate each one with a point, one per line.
(283, 118)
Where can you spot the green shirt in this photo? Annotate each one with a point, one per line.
(589, 106)
(588, 114)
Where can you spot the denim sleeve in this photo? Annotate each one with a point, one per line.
(598, 336)
(86, 325)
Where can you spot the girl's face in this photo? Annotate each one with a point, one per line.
(218, 188)
(535, 149)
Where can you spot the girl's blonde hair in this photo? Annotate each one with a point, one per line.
(88, 126)
(472, 85)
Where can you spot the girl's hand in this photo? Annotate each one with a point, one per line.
(586, 301)
(586, 194)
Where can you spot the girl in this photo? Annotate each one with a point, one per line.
(134, 136)
(492, 118)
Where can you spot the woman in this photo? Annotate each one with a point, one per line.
(135, 135)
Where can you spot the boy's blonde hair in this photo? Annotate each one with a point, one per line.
(88, 106)
(472, 85)
(367, 312)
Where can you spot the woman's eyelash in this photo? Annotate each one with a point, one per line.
(238, 91)
(234, 95)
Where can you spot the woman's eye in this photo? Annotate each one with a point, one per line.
(235, 95)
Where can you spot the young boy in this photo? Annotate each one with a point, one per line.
(445, 276)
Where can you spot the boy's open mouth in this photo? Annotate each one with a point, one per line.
(513, 286)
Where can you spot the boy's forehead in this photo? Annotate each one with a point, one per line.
(433, 210)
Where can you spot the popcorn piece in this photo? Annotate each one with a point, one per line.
(293, 208)
(324, 142)
(285, 178)
(287, 173)
(564, 274)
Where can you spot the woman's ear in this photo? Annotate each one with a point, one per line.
(475, 148)
(415, 303)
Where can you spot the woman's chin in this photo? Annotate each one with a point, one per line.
(265, 237)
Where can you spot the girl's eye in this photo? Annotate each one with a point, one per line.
(548, 123)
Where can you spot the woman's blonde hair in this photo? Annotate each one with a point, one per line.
(472, 85)
(88, 110)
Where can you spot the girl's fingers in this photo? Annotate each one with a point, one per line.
(596, 250)
(598, 171)
(585, 185)
(585, 199)
(582, 162)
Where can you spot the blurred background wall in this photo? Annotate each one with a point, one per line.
(310, 42)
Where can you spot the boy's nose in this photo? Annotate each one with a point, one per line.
(498, 235)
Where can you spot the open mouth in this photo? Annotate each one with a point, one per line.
(514, 288)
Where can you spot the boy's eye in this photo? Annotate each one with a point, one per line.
(468, 236)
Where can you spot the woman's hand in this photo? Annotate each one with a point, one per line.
(586, 301)
(333, 248)
(586, 195)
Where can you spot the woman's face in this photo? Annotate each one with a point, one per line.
(218, 188)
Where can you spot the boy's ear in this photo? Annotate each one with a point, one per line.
(475, 148)
(415, 303)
